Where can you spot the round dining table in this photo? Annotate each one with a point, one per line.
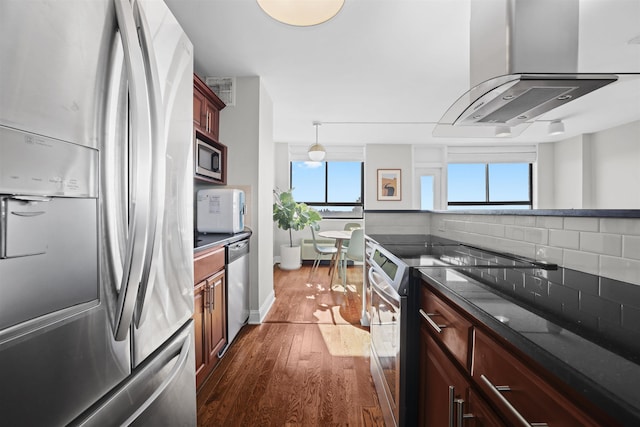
(339, 236)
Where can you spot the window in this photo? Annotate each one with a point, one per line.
(489, 185)
(335, 189)
(427, 195)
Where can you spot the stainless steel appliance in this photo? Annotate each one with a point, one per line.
(526, 62)
(208, 160)
(389, 326)
(237, 287)
(96, 214)
(393, 300)
(220, 210)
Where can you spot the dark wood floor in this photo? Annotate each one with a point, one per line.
(306, 365)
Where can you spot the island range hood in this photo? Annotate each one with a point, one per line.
(524, 59)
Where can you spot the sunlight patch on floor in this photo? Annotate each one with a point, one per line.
(345, 340)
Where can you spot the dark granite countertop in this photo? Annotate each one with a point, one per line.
(202, 241)
(607, 379)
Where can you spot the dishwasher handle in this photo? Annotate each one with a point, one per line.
(237, 250)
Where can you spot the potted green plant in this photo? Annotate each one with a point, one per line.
(290, 215)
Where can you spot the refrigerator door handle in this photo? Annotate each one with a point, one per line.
(157, 163)
(141, 150)
(177, 368)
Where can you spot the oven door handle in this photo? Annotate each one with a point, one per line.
(394, 300)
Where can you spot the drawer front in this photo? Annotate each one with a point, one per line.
(519, 393)
(447, 325)
(207, 263)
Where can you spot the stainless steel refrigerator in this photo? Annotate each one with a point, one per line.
(96, 214)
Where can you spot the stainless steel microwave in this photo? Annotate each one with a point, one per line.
(208, 160)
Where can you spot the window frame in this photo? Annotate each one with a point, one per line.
(487, 202)
(326, 203)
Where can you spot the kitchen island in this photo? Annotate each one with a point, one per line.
(602, 376)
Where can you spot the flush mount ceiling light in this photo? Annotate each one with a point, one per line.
(301, 13)
(556, 127)
(316, 151)
(502, 131)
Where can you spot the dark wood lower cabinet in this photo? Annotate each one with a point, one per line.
(492, 384)
(209, 311)
(447, 398)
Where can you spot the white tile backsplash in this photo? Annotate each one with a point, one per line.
(600, 243)
(625, 270)
(581, 261)
(549, 222)
(625, 226)
(581, 224)
(631, 247)
(564, 238)
(536, 235)
(608, 247)
(549, 254)
(525, 221)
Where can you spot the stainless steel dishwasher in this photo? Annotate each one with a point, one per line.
(237, 287)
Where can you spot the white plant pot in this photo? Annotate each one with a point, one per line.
(289, 257)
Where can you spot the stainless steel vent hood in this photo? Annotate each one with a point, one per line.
(524, 59)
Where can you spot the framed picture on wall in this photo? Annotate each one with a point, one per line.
(389, 184)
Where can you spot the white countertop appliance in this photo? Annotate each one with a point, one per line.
(220, 210)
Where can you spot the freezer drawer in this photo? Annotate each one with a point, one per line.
(161, 392)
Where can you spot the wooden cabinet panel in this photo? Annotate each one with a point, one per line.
(440, 377)
(206, 109)
(502, 386)
(482, 415)
(217, 328)
(455, 330)
(207, 263)
(210, 311)
(200, 338)
(198, 110)
(515, 389)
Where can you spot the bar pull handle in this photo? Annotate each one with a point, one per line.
(460, 415)
(28, 214)
(496, 392)
(206, 297)
(427, 316)
(210, 295)
(136, 250)
(452, 392)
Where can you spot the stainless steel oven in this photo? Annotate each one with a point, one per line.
(384, 325)
(387, 279)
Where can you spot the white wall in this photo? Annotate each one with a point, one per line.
(615, 166)
(591, 171)
(247, 130)
(382, 156)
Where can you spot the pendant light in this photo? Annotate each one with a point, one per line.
(301, 13)
(316, 151)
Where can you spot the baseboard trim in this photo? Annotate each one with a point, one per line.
(256, 317)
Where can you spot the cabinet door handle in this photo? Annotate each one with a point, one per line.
(452, 395)
(434, 325)
(461, 416)
(207, 294)
(213, 297)
(495, 391)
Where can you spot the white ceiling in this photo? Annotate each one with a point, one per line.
(385, 71)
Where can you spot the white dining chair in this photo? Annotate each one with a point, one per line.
(355, 252)
(321, 250)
